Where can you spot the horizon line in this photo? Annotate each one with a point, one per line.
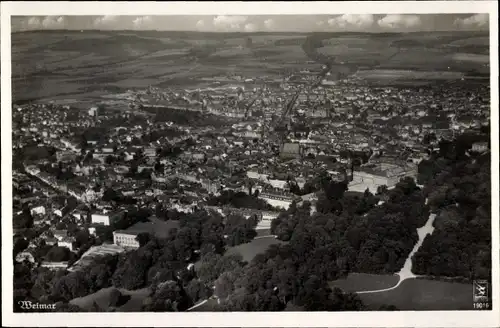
(244, 32)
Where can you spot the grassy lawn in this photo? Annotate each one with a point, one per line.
(427, 295)
(357, 282)
(251, 249)
(133, 304)
(263, 232)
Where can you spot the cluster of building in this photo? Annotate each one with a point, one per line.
(108, 158)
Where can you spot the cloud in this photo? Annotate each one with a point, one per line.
(200, 24)
(269, 24)
(43, 23)
(250, 27)
(228, 23)
(474, 21)
(400, 21)
(53, 22)
(352, 21)
(106, 20)
(33, 22)
(142, 22)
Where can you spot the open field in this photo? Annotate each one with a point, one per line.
(256, 246)
(87, 65)
(133, 304)
(422, 294)
(379, 74)
(412, 294)
(357, 282)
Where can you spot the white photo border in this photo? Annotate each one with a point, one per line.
(466, 319)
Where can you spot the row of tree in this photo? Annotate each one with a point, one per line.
(344, 237)
(239, 200)
(458, 187)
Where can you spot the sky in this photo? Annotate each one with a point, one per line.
(261, 23)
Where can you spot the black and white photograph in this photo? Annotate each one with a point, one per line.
(263, 162)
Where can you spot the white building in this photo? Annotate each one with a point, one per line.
(257, 176)
(105, 218)
(92, 231)
(373, 176)
(94, 252)
(125, 239)
(480, 147)
(40, 210)
(25, 256)
(279, 184)
(275, 200)
(54, 265)
(93, 111)
(66, 242)
(60, 234)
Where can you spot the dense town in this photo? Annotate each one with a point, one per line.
(91, 181)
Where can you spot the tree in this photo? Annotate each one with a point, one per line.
(71, 286)
(143, 238)
(314, 296)
(213, 265)
(335, 190)
(82, 237)
(386, 307)
(20, 244)
(168, 297)
(196, 291)
(224, 285)
(110, 195)
(132, 269)
(24, 220)
(58, 254)
(114, 297)
(381, 189)
(109, 159)
(239, 229)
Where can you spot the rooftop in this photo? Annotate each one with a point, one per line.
(89, 256)
(384, 169)
(293, 148)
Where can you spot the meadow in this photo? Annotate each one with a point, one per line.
(357, 282)
(257, 246)
(412, 294)
(425, 295)
(133, 299)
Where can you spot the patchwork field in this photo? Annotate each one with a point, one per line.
(87, 65)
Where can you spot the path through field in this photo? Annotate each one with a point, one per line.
(197, 305)
(406, 272)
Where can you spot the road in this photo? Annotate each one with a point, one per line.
(406, 271)
(197, 305)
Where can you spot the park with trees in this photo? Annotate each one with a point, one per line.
(349, 233)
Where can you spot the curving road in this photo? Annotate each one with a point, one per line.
(406, 271)
(197, 305)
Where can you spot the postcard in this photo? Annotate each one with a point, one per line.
(250, 164)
